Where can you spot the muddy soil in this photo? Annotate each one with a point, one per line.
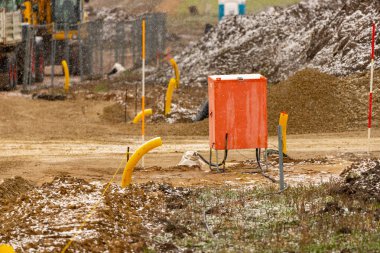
(48, 142)
(123, 220)
(86, 136)
(157, 217)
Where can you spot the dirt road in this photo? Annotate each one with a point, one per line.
(41, 161)
(41, 139)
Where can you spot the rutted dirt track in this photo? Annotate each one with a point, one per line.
(41, 140)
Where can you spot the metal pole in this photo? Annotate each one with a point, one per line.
(136, 95)
(67, 53)
(80, 53)
(125, 108)
(124, 45)
(90, 48)
(143, 87)
(26, 59)
(52, 60)
(101, 49)
(217, 160)
(281, 159)
(371, 86)
(33, 59)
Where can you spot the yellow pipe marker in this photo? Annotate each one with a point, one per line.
(176, 71)
(284, 123)
(5, 248)
(139, 153)
(67, 76)
(169, 93)
(139, 116)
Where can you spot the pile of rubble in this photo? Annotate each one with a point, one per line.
(332, 36)
(363, 179)
(116, 22)
(109, 14)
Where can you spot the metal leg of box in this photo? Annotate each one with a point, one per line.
(217, 164)
(217, 160)
(210, 164)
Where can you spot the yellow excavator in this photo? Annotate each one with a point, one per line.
(57, 20)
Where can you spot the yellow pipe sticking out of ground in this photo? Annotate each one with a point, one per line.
(284, 123)
(5, 248)
(169, 93)
(67, 76)
(139, 153)
(138, 117)
(176, 72)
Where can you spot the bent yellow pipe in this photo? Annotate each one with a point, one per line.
(67, 76)
(5, 248)
(139, 153)
(138, 117)
(284, 124)
(176, 71)
(169, 94)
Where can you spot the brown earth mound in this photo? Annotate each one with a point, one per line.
(316, 103)
(12, 188)
(320, 103)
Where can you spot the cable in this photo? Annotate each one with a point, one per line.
(95, 206)
(261, 169)
(213, 164)
(210, 163)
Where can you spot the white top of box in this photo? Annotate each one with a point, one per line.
(236, 77)
(232, 1)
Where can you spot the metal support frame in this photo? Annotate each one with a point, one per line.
(217, 164)
(80, 53)
(52, 60)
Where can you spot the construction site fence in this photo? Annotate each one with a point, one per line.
(91, 49)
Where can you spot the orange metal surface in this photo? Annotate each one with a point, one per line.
(238, 107)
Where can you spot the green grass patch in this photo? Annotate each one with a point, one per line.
(302, 219)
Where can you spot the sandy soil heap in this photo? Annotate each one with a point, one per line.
(318, 102)
(12, 188)
(333, 36)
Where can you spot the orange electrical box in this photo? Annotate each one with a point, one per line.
(238, 109)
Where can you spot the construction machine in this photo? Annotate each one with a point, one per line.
(10, 39)
(27, 30)
(55, 21)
